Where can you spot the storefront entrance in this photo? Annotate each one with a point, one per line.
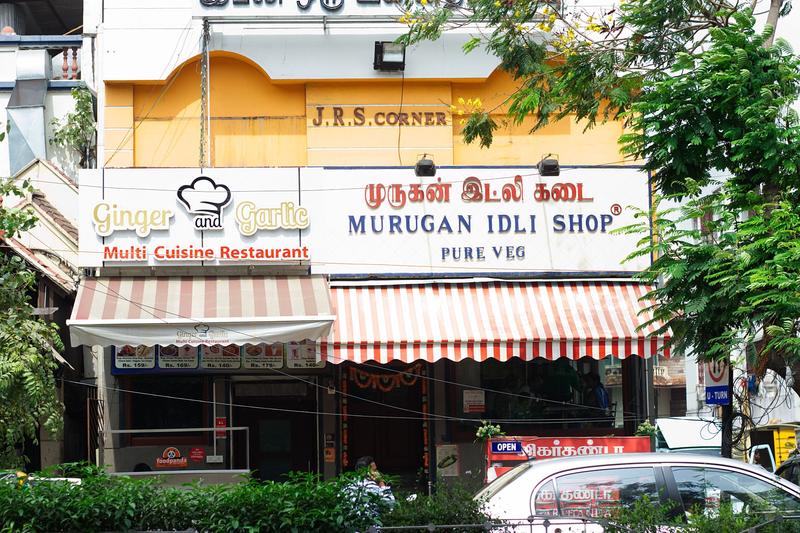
(378, 400)
(282, 438)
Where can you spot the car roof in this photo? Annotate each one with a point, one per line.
(548, 467)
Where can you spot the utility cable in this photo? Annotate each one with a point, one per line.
(322, 413)
(150, 310)
(563, 170)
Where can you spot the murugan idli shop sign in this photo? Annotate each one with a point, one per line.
(467, 221)
(382, 221)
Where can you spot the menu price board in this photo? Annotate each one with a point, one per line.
(249, 358)
(135, 357)
(217, 357)
(303, 355)
(177, 357)
(262, 356)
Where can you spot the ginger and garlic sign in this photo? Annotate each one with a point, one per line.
(161, 216)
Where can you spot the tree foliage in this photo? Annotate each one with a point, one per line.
(77, 130)
(707, 101)
(590, 65)
(28, 398)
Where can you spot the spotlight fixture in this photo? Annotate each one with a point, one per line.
(548, 166)
(425, 167)
(389, 56)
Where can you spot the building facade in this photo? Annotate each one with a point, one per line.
(261, 254)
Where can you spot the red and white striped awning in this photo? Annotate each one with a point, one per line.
(200, 310)
(493, 319)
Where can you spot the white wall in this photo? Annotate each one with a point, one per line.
(57, 105)
(304, 48)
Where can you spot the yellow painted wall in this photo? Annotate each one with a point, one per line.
(514, 144)
(118, 128)
(376, 142)
(256, 122)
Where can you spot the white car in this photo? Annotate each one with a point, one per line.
(566, 494)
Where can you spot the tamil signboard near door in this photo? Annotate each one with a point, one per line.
(504, 453)
(717, 382)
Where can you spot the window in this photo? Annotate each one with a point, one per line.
(149, 409)
(703, 490)
(599, 493)
(544, 502)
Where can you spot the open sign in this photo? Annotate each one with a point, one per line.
(506, 446)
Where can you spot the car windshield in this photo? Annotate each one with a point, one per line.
(497, 485)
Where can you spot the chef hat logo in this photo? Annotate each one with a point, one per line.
(204, 197)
(202, 329)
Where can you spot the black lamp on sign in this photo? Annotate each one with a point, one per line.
(425, 167)
(389, 56)
(548, 166)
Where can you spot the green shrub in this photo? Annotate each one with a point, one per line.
(645, 517)
(449, 504)
(109, 503)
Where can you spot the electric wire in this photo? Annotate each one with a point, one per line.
(151, 310)
(616, 165)
(321, 413)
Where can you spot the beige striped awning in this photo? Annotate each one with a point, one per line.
(498, 319)
(200, 310)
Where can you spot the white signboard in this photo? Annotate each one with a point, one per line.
(341, 221)
(162, 217)
(472, 220)
(278, 8)
(474, 401)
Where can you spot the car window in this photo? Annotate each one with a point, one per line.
(498, 484)
(789, 472)
(544, 501)
(703, 490)
(601, 492)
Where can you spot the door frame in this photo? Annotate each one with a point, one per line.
(256, 379)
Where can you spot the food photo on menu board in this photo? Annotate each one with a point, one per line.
(135, 356)
(177, 357)
(217, 357)
(303, 355)
(256, 356)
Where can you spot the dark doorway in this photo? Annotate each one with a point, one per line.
(282, 438)
(397, 444)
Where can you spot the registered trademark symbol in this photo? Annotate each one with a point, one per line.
(616, 209)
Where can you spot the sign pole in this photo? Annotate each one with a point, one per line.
(726, 448)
